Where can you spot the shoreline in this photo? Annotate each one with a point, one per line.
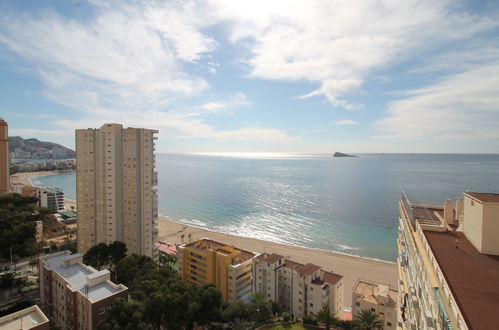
(267, 241)
(26, 178)
(352, 268)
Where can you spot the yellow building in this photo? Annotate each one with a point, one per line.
(448, 263)
(229, 268)
(378, 298)
(116, 188)
(4, 157)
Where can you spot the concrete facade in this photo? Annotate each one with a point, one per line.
(73, 295)
(481, 224)
(53, 199)
(116, 188)
(207, 261)
(4, 157)
(378, 298)
(298, 289)
(445, 281)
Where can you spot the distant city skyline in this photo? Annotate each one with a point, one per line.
(259, 76)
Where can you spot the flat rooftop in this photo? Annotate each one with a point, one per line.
(206, 244)
(371, 291)
(77, 274)
(473, 277)
(24, 319)
(485, 197)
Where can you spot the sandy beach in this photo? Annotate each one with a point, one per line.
(351, 267)
(25, 179)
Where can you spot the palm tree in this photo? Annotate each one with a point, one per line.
(326, 317)
(368, 320)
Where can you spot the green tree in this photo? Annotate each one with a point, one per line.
(368, 320)
(209, 300)
(134, 267)
(127, 315)
(241, 324)
(327, 318)
(117, 251)
(97, 256)
(17, 226)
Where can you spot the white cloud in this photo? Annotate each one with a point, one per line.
(345, 122)
(338, 44)
(124, 65)
(462, 107)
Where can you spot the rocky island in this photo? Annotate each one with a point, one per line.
(340, 154)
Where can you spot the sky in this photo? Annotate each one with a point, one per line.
(256, 76)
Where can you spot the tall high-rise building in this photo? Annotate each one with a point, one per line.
(4, 156)
(116, 188)
(449, 263)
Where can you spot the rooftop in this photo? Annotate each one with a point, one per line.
(472, 277)
(24, 319)
(370, 292)
(79, 275)
(307, 269)
(485, 197)
(270, 258)
(206, 244)
(332, 278)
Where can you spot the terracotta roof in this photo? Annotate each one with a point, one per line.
(291, 264)
(485, 197)
(473, 277)
(307, 269)
(270, 258)
(332, 278)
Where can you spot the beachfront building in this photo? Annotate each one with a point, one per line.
(298, 289)
(73, 295)
(208, 261)
(378, 298)
(448, 263)
(4, 157)
(31, 318)
(50, 198)
(116, 188)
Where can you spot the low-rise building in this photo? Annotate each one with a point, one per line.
(31, 318)
(378, 298)
(299, 289)
(208, 261)
(74, 295)
(52, 199)
(449, 263)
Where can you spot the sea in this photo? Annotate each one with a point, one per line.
(346, 205)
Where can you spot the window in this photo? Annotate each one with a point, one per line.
(101, 311)
(357, 304)
(389, 324)
(373, 310)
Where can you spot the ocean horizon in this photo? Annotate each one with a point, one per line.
(346, 205)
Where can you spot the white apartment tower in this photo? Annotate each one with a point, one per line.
(116, 188)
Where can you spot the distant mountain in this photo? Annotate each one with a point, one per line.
(340, 154)
(20, 148)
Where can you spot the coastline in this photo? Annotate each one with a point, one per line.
(352, 268)
(26, 178)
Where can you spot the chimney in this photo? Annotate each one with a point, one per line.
(448, 212)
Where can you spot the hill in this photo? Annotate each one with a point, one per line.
(20, 148)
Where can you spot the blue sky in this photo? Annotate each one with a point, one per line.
(256, 76)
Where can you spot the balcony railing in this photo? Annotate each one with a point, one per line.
(442, 310)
